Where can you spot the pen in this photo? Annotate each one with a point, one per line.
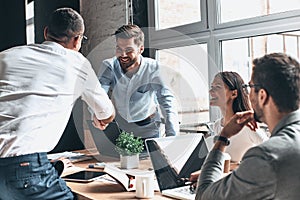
(190, 182)
(96, 166)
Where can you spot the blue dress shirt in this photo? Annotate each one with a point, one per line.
(138, 97)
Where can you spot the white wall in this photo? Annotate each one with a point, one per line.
(102, 18)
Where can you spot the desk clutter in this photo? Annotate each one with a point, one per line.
(72, 156)
(171, 160)
(127, 178)
(111, 173)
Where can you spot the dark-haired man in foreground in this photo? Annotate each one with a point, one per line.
(271, 169)
(39, 85)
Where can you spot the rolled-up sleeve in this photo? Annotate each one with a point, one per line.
(167, 102)
(105, 75)
(96, 97)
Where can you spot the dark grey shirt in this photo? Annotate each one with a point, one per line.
(267, 171)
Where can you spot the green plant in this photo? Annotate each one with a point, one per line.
(127, 144)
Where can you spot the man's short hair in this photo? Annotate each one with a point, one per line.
(279, 75)
(65, 23)
(131, 31)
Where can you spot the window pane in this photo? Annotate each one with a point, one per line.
(239, 60)
(235, 10)
(176, 12)
(274, 43)
(290, 44)
(239, 53)
(184, 70)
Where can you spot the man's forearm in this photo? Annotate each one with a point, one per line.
(220, 145)
(211, 171)
(171, 125)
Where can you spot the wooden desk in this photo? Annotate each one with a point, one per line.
(100, 190)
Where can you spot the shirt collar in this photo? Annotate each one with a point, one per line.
(54, 46)
(141, 65)
(51, 43)
(288, 119)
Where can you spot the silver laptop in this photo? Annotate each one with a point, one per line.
(105, 140)
(174, 159)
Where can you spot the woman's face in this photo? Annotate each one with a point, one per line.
(219, 93)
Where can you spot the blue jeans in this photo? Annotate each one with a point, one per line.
(31, 177)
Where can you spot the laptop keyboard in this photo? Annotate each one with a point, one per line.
(180, 193)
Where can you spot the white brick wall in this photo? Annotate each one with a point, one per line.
(102, 18)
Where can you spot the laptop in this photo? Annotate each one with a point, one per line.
(174, 158)
(105, 140)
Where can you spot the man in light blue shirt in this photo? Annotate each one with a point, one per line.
(136, 88)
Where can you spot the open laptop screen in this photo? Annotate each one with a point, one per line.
(105, 140)
(175, 158)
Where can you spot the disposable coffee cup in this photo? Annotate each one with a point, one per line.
(227, 163)
(145, 186)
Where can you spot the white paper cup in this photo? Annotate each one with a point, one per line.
(227, 163)
(145, 186)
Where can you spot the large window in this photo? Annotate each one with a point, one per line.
(235, 10)
(234, 33)
(176, 13)
(239, 53)
(184, 70)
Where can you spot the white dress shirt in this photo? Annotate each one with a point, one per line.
(240, 142)
(39, 85)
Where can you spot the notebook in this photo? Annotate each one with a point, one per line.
(105, 140)
(174, 159)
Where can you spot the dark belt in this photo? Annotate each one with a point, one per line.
(146, 121)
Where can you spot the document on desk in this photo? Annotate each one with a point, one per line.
(126, 180)
(72, 156)
(126, 177)
(106, 179)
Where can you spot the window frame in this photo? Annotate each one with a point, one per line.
(213, 33)
(184, 29)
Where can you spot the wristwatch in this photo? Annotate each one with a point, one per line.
(223, 139)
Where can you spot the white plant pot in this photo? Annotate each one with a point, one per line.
(129, 162)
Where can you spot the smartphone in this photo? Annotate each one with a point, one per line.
(83, 176)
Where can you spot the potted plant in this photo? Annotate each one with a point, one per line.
(129, 148)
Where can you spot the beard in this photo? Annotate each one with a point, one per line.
(258, 114)
(129, 62)
(257, 118)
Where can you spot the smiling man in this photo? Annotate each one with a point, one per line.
(136, 88)
(269, 170)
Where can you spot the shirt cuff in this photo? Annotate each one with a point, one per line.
(216, 154)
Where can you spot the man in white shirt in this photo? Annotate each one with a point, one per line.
(39, 85)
